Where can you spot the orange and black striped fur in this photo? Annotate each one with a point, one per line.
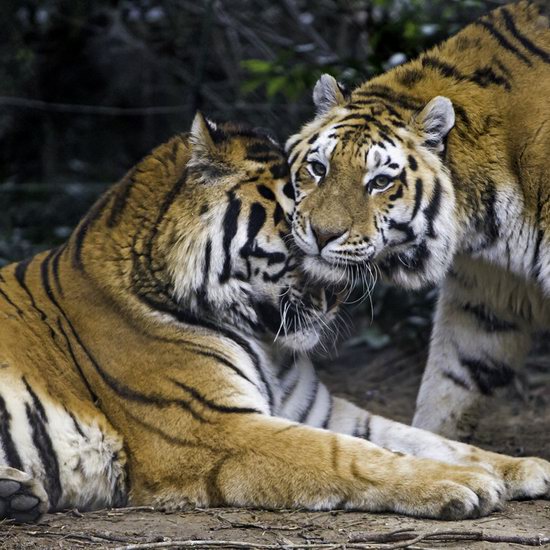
(137, 362)
(438, 172)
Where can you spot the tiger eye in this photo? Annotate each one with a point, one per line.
(380, 182)
(318, 168)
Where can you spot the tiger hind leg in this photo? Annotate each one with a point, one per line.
(22, 497)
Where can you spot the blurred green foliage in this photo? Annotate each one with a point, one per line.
(87, 88)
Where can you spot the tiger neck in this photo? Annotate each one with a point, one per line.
(123, 249)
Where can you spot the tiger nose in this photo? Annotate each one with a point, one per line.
(323, 235)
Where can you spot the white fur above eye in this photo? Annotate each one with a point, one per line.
(383, 161)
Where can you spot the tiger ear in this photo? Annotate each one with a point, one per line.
(201, 138)
(328, 93)
(435, 121)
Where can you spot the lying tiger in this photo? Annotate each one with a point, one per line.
(137, 361)
(438, 172)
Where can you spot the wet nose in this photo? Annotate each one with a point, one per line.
(324, 235)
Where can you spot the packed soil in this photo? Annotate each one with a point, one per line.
(386, 383)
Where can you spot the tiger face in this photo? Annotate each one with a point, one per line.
(228, 256)
(371, 189)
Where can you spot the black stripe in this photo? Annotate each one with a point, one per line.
(212, 404)
(310, 402)
(503, 41)
(366, 429)
(36, 416)
(121, 194)
(55, 268)
(326, 421)
(79, 234)
(377, 101)
(405, 228)
(490, 224)
(266, 192)
(483, 76)
(456, 379)
(487, 319)
(418, 186)
(230, 224)
(288, 190)
(527, 44)
(9, 300)
(535, 266)
(445, 69)
(20, 273)
(93, 396)
(404, 101)
(408, 77)
(488, 375)
(202, 292)
(8, 445)
(432, 210)
(224, 361)
(76, 424)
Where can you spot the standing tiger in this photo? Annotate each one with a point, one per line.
(437, 171)
(137, 361)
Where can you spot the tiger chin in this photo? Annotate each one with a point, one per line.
(436, 173)
(137, 362)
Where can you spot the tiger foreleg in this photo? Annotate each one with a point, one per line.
(22, 497)
(523, 477)
(276, 464)
(308, 401)
(478, 343)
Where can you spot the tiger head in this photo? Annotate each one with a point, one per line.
(371, 189)
(220, 247)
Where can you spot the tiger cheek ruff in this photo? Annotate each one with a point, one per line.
(154, 359)
(436, 172)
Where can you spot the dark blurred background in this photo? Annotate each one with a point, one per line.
(88, 87)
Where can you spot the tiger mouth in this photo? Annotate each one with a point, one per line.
(337, 274)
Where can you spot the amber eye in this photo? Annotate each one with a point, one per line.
(380, 182)
(317, 168)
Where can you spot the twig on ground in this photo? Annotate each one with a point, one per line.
(449, 536)
(406, 539)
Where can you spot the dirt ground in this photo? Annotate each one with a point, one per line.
(386, 383)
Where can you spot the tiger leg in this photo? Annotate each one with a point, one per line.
(524, 477)
(307, 400)
(478, 343)
(268, 462)
(216, 446)
(55, 452)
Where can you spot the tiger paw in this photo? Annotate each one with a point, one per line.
(22, 498)
(444, 491)
(467, 493)
(526, 477)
